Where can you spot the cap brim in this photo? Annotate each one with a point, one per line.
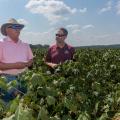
(4, 26)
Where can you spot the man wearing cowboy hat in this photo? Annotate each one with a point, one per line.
(15, 56)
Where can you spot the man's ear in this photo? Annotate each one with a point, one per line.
(65, 37)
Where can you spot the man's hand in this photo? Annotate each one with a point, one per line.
(29, 63)
(53, 65)
(21, 65)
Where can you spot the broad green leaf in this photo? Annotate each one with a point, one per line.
(50, 100)
(43, 114)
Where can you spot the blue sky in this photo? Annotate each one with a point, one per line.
(89, 22)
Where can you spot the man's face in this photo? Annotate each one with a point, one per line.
(13, 31)
(60, 36)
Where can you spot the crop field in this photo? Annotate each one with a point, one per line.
(87, 88)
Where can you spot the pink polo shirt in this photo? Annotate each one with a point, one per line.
(11, 52)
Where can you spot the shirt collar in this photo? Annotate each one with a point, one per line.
(57, 47)
(10, 40)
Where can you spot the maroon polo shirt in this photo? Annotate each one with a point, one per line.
(59, 55)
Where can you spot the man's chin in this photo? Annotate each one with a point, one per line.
(58, 41)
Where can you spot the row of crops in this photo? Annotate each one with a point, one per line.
(87, 88)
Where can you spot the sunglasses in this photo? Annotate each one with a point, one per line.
(15, 26)
(60, 35)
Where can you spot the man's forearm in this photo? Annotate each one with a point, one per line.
(6, 66)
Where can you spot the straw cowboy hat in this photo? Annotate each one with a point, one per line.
(10, 22)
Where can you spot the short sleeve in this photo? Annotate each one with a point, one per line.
(48, 56)
(72, 52)
(1, 51)
(30, 54)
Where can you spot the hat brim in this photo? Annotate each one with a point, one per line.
(4, 26)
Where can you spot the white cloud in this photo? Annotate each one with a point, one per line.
(88, 26)
(118, 7)
(102, 36)
(108, 7)
(84, 10)
(84, 39)
(53, 10)
(106, 39)
(42, 38)
(23, 21)
(74, 28)
(79, 39)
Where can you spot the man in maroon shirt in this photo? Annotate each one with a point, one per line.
(60, 52)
